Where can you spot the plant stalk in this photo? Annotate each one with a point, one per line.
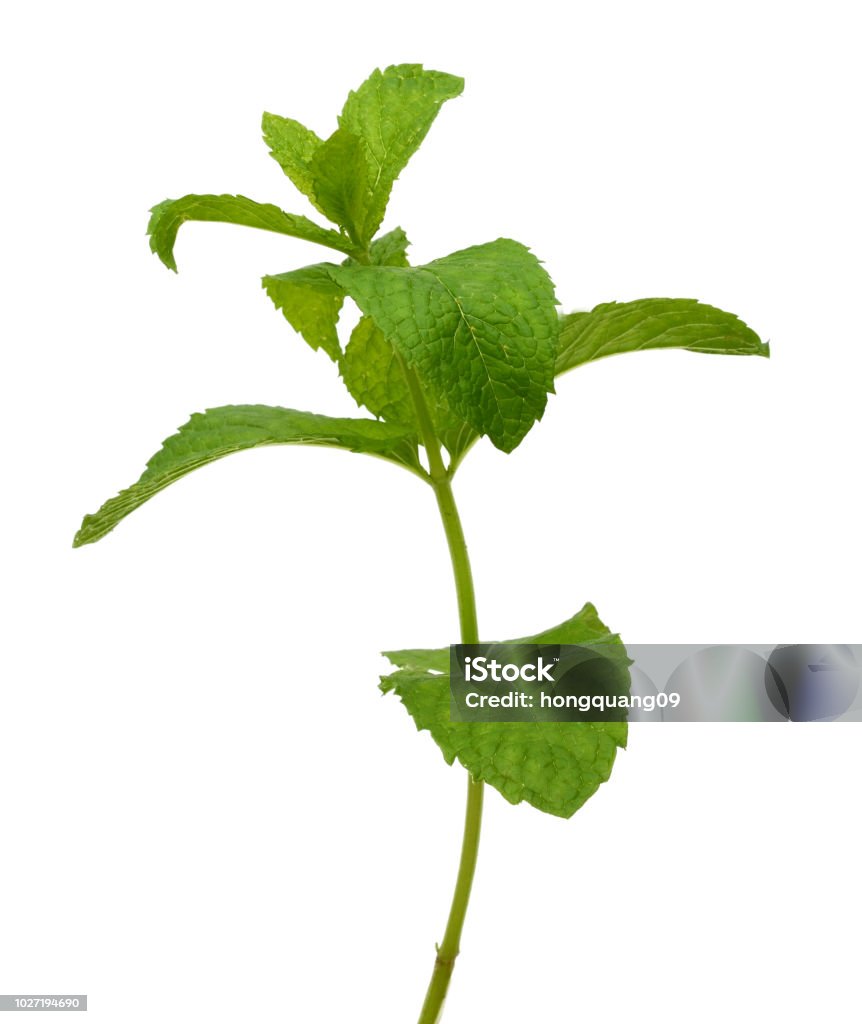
(440, 480)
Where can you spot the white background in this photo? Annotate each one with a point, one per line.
(207, 811)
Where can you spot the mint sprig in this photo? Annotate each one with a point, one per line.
(464, 347)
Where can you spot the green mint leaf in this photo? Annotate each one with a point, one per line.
(341, 182)
(653, 323)
(390, 250)
(555, 766)
(480, 327)
(423, 659)
(213, 434)
(391, 113)
(292, 146)
(372, 374)
(310, 301)
(167, 217)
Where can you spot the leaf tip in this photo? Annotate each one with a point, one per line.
(160, 243)
(84, 535)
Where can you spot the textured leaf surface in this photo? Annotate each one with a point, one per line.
(340, 179)
(391, 112)
(292, 146)
(653, 323)
(167, 217)
(555, 766)
(390, 250)
(310, 301)
(372, 374)
(219, 432)
(479, 326)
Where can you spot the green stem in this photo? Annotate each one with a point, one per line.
(449, 948)
(460, 559)
(440, 480)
